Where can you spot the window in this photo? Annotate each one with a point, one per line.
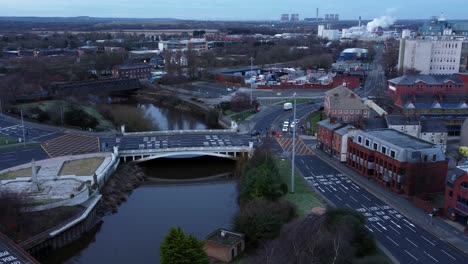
(359, 139)
(383, 150)
(450, 194)
(375, 146)
(392, 153)
(434, 157)
(367, 143)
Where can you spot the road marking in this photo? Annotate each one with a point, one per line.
(376, 228)
(392, 240)
(302, 161)
(366, 197)
(428, 241)
(307, 167)
(345, 187)
(411, 242)
(395, 224)
(448, 254)
(384, 228)
(354, 199)
(395, 230)
(343, 190)
(411, 255)
(338, 197)
(348, 205)
(431, 256)
(369, 228)
(408, 222)
(321, 189)
(410, 228)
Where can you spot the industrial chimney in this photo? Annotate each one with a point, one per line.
(359, 21)
(316, 14)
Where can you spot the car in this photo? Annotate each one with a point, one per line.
(285, 129)
(254, 133)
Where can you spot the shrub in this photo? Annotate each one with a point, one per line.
(179, 248)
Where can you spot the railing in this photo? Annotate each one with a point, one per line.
(185, 149)
(180, 132)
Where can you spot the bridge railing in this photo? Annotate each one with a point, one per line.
(180, 132)
(185, 149)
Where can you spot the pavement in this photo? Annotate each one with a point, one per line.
(402, 229)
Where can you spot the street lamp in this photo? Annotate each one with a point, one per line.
(22, 125)
(293, 145)
(251, 83)
(430, 216)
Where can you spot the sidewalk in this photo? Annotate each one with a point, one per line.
(438, 228)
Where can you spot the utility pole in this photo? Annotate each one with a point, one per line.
(251, 82)
(22, 125)
(293, 145)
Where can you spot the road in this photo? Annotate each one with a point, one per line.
(376, 83)
(406, 241)
(18, 156)
(11, 127)
(174, 141)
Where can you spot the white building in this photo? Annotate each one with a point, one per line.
(326, 33)
(430, 55)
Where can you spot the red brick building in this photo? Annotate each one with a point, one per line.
(140, 71)
(456, 196)
(403, 163)
(223, 245)
(325, 129)
(344, 105)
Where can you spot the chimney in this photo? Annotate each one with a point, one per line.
(316, 15)
(333, 120)
(359, 21)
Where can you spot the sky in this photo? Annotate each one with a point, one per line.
(235, 9)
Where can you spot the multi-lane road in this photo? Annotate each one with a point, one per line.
(405, 240)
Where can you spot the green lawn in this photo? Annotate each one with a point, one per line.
(304, 196)
(313, 119)
(17, 173)
(242, 115)
(82, 167)
(7, 140)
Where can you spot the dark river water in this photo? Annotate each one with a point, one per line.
(135, 232)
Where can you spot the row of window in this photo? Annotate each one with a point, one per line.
(441, 68)
(435, 86)
(357, 112)
(375, 146)
(437, 59)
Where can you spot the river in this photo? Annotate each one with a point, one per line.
(135, 232)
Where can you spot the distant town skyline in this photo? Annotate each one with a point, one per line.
(233, 10)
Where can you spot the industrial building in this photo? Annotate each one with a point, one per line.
(140, 71)
(284, 18)
(430, 55)
(353, 54)
(196, 44)
(403, 163)
(294, 18)
(332, 17)
(327, 33)
(438, 26)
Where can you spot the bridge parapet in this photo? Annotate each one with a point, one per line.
(179, 132)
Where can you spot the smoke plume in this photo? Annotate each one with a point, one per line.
(383, 22)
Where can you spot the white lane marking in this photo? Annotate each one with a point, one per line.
(448, 254)
(431, 256)
(411, 255)
(369, 228)
(342, 190)
(376, 228)
(395, 224)
(355, 186)
(9, 127)
(383, 227)
(348, 205)
(302, 161)
(307, 167)
(354, 199)
(410, 228)
(392, 240)
(321, 189)
(332, 188)
(428, 241)
(45, 135)
(411, 242)
(338, 197)
(345, 187)
(408, 222)
(366, 197)
(395, 230)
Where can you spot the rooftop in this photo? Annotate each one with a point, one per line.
(342, 131)
(395, 120)
(225, 237)
(375, 123)
(433, 126)
(456, 173)
(343, 98)
(400, 139)
(330, 126)
(427, 79)
(132, 66)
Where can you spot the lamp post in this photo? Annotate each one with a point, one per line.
(251, 83)
(22, 125)
(293, 145)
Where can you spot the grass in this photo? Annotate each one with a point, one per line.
(82, 167)
(304, 196)
(313, 119)
(242, 116)
(54, 105)
(7, 140)
(18, 146)
(11, 175)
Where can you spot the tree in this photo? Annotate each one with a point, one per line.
(240, 102)
(179, 248)
(75, 116)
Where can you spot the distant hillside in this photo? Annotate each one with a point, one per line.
(81, 19)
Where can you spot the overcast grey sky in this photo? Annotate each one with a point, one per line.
(234, 9)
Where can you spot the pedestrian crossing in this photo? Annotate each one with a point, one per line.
(301, 147)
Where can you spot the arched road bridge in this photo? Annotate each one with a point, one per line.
(141, 147)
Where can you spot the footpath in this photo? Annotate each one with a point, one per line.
(438, 227)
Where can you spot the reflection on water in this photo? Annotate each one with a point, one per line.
(171, 119)
(135, 233)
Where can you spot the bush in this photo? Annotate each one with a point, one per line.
(262, 181)
(75, 116)
(179, 248)
(43, 116)
(261, 220)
